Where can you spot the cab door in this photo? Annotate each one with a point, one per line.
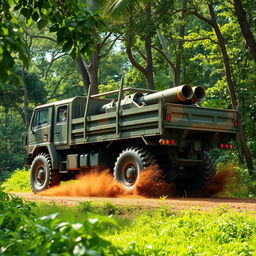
(40, 128)
(60, 133)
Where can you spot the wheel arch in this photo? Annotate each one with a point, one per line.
(50, 149)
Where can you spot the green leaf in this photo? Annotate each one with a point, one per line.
(35, 16)
(42, 23)
(17, 7)
(90, 22)
(73, 52)
(26, 12)
(72, 24)
(67, 46)
(2, 217)
(29, 21)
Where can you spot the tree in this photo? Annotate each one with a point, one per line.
(212, 21)
(138, 15)
(245, 27)
(67, 19)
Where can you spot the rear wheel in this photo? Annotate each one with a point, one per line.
(42, 176)
(129, 165)
(194, 178)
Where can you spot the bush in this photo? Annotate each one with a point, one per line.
(22, 234)
(18, 181)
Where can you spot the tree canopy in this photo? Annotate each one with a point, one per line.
(51, 50)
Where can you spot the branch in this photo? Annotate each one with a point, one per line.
(198, 39)
(105, 39)
(165, 56)
(141, 54)
(51, 62)
(56, 87)
(43, 37)
(110, 47)
(131, 58)
(20, 110)
(201, 17)
(64, 93)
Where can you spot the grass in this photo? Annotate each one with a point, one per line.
(189, 233)
(161, 232)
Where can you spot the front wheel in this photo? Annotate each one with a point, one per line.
(130, 163)
(42, 176)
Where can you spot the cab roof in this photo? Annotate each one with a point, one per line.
(60, 102)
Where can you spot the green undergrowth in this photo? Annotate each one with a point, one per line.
(18, 181)
(105, 229)
(219, 232)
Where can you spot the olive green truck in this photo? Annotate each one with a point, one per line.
(126, 131)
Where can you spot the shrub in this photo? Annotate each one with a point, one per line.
(22, 234)
(18, 181)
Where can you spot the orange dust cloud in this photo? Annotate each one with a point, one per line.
(93, 184)
(150, 184)
(102, 184)
(222, 183)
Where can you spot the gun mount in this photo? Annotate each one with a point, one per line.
(180, 94)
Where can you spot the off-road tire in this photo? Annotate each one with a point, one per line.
(199, 176)
(42, 176)
(129, 165)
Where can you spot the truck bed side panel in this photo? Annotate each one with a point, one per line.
(136, 122)
(203, 119)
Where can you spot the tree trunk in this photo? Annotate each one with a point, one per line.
(225, 57)
(149, 67)
(93, 70)
(167, 54)
(248, 35)
(227, 71)
(147, 72)
(83, 72)
(180, 44)
(25, 100)
(148, 48)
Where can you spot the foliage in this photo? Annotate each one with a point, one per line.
(141, 231)
(247, 184)
(17, 182)
(67, 20)
(190, 233)
(13, 212)
(45, 33)
(11, 129)
(23, 234)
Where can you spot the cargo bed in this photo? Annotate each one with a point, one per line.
(201, 119)
(151, 121)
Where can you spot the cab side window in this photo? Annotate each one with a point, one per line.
(62, 114)
(41, 117)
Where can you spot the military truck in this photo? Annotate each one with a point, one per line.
(128, 130)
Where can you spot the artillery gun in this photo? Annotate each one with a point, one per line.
(127, 134)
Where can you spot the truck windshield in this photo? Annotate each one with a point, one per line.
(41, 117)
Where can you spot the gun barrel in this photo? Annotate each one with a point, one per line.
(198, 94)
(175, 94)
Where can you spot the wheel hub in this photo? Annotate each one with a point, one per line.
(41, 176)
(131, 174)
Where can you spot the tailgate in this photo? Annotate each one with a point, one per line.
(199, 118)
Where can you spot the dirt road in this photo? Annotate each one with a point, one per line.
(175, 204)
